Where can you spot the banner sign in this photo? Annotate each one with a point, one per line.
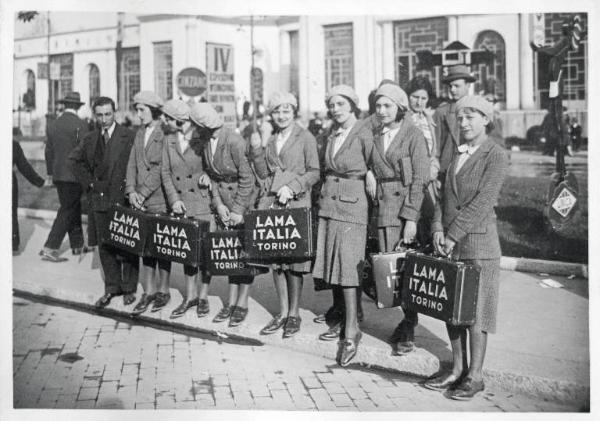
(224, 251)
(176, 239)
(126, 229)
(220, 81)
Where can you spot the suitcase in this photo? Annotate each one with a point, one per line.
(177, 239)
(441, 288)
(127, 229)
(387, 277)
(279, 235)
(224, 255)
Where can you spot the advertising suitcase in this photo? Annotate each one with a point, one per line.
(127, 229)
(278, 235)
(440, 288)
(224, 255)
(387, 271)
(178, 239)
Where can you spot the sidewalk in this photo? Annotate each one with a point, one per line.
(541, 348)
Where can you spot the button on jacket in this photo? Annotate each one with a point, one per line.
(230, 162)
(180, 174)
(466, 213)
(144, 169)
(341, 198)
(406, 159)
(297, 163)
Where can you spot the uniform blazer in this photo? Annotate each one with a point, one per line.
(447, 133)
(466, 213)
(231, 162)
(341, 198)
(63, 135)
(105, 179)
(297, 164)
(180, 174)
(144, 168)
(407, 161)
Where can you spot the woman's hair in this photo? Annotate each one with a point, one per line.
(420, 82)
(155, 112)
(353, 108)
(273, 110)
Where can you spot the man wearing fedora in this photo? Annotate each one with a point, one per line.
(63, 135)
(458, 80)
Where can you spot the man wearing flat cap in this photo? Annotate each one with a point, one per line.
(458, 80)
(100, 162)
(63, 136)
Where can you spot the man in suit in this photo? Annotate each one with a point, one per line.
(458, 80)
(100, 163)
(63, 135)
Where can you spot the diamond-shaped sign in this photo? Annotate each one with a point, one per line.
(564, 202)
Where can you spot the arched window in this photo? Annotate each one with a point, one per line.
(29, 95)
(491, 77)
(94, 83)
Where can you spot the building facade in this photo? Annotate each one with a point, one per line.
(117, 55)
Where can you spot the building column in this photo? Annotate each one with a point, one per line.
(452, 28)
(304, 65)
(388, 70)
(526, 94)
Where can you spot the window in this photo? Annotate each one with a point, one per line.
(29, 95)
(94, 83)
(339, 59)
(64, 83)
(130, 77)
(294, 63)
(163, 69)
(491, 77)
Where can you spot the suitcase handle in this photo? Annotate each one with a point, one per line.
(401, 246)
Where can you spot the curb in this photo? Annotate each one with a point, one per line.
(373, 353)
(519, 264)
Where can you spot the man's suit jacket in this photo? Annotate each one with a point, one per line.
(406, 160)
(63, 135)
(447, 132)
(144, 169)
(466, 213)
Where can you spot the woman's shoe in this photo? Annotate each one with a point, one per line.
(466, 389)
(292, 326)
(203, 308)
(143, 304)
(442, 381)
(349, 349)
(161, 300)
(333, 333)
(274, 325)
(224, 314)
(238, 315)
(183, 307)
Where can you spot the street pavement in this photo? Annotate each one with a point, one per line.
(69, 359)
(541, 348)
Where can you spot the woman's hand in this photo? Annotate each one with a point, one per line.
(204, 181)
(235, 219)
(136, 200)
(449, 246)
(371, 184)
(179, 207)
(410, 231)
(285, 194)
(223, 212)
(438, 242)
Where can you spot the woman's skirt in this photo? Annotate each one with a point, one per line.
(340, 252)
(487, 297)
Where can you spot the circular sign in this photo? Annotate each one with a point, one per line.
(191, 81)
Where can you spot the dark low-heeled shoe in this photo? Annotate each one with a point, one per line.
(332, 333)
(274, 325)
(128, 298)
(349, 349)
(403, 348)
(466, 389)
(321, 318)
(442, 381)
(161, 299)
(223, 314)
(238, 315)
(143, 304)
(104, 300)
(203, 308)
(292, 326)
(52, 256)
(183, 307)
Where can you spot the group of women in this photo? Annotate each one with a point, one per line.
(207, 171)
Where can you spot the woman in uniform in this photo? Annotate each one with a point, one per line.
(187, 188)
(401, 165)
(464, 227)
(144, 191)
(233, 193)
(343, 210)
(289, 166)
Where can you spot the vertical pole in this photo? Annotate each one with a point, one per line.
(252, 93)
(50, 99)
(119, 60)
